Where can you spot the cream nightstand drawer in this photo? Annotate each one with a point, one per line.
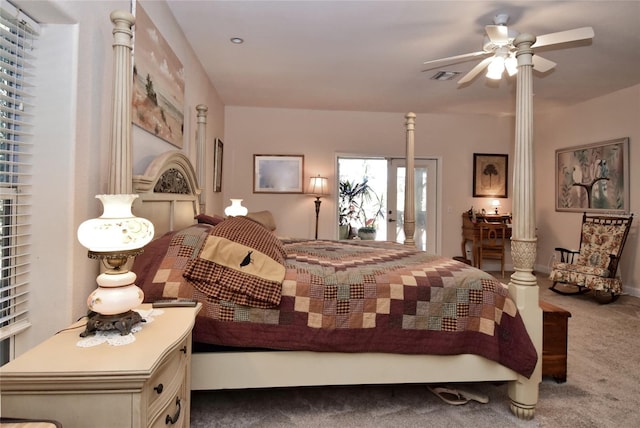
(176, 411)
(168, 378)
(106, 386)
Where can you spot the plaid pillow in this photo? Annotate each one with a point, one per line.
(241, 262)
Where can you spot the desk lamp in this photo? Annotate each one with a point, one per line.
(495, 204)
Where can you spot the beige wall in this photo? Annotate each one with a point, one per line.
(321, 135)
(612, 116)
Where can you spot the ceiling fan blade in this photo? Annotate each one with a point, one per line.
(453, 58)
(564, 37)
(498, 34)
(542, 64)
(475, 71)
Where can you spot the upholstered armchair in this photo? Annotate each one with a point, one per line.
(594, 267)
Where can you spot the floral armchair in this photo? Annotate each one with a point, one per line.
(594, 267)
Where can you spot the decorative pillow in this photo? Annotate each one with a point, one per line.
(159, 269)
(209, 219)
(241, 262)
(265, 218)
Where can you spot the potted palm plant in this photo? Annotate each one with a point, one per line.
(356, 201)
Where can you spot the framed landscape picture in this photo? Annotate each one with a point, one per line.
(278, 173)
(158, 83)
(490, 175)
(593, 177)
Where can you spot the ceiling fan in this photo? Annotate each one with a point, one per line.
(498, 42)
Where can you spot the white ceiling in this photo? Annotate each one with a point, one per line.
(368, 55)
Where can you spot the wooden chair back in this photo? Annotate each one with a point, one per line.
(492, 243)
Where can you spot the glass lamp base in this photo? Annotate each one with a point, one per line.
(121, 322)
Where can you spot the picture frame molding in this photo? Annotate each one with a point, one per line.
(619, 170)
(501, 163)
(278, 173)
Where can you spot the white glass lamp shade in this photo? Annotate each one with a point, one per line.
(236, 208)
(117, 229)
(318, 186)
(495, 204)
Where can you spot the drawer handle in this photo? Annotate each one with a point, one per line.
(172, 420)
(159, 388)
(184, 349)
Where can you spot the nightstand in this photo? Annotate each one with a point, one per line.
(143, 384)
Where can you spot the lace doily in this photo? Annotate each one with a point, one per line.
(114, 338)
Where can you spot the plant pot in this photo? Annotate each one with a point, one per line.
(367, 233)
(343, 232)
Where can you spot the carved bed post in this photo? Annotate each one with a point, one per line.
(523, 285)
(409, 222)
(121, 167)
(201, 141)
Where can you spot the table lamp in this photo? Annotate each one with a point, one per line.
(113, 238)
(495, 204)
(235, 209)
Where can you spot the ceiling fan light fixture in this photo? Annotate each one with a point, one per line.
(496, 68)
(511, 65)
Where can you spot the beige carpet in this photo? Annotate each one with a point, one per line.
(602, 388)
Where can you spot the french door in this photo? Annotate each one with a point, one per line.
(386, 178)
(426, 203)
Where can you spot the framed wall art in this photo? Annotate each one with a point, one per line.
(593, 177)
(218, 148)
(278, 173)
(158, 83)
(490, 175)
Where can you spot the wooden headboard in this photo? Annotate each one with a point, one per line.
(168, 193)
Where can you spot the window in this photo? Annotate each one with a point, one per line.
(17, 36)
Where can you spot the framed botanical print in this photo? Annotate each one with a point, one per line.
(490, 175)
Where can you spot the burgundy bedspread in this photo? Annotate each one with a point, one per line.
(353, 296)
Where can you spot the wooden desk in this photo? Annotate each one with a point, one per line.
(471, 231)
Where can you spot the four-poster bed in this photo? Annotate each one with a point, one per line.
(173, 210)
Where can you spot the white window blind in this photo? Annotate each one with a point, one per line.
(17, 36)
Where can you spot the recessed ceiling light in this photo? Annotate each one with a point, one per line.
(445, 75)
(237, 40)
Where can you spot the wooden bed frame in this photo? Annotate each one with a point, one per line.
(169, 197)
(235, 370)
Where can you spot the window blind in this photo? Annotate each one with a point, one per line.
(18, 34)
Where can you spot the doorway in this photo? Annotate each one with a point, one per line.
(371, 193)
(426, 202)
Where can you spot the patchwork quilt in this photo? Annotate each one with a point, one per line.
(347, 296)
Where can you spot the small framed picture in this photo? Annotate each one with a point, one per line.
(278, 173)
(218, 147)
(490, 175)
